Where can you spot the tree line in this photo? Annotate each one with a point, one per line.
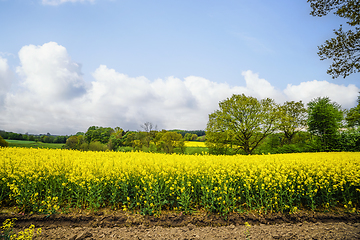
(246, 125)
(149, 140)
(116, 139)
(45, 138)
(242, 125)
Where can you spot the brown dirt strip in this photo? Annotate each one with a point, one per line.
(122, 225)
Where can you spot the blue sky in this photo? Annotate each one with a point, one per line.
(66, 65)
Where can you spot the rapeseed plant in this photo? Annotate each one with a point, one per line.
(27, 234)
(45, 181)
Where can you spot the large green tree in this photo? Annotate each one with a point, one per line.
(292, 119)
(344, 48)
(73, 142)
(324, 120)
(353, 115)
(242, 122)
(167, 141)
(171, 140)
(99, 134)
(116, 139)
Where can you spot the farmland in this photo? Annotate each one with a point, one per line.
(32, 144)
(49, 180)
(195, 144)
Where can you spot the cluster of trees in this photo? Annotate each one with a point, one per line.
(46, 138)
(150, 139)
(116, 139)
(244, 124)
(194, 135)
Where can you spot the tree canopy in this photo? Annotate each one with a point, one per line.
(324, 119)
(3, 143)
(292, 119)
(344, 48)
(242, 122)
(100, 134)
(353, 115)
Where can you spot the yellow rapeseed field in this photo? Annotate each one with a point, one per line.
(194, 144)
(48, 180)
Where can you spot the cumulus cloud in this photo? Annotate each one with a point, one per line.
(169, 103)
(58, 2)
(54, 97)
(306, 91)
(6, 78)
(261, 88)
(49, 73)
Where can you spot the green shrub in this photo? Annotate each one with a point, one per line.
(196, 150)
(3, 143)
(97, 146)
(124, 149)
(349, 141)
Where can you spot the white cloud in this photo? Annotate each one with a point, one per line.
(306, 91)
(49, 73)
(58, 2)
(169, 103)
(6, 78)
(53, 97)
(260, 88)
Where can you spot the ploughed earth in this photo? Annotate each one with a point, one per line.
(123, 225)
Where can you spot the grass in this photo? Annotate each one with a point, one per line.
(196, 150)
(33, 144)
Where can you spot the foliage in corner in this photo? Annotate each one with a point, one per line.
(344, 48)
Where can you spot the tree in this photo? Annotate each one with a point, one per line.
(47, 139)
(32, 138)
(187, 137)
(136, 140)
(3, 143)
(100, 134)
(60, 139)
(170, 140)
(129, 137)
(4, 134)
(242, 123)
(344, 48)
(116, 139)
(324, 120)
(148, 127)
(15, 136)
(190, 137)
(353, 115)
(72, 142)
(292, 119)
(194, 137)
(150, 131)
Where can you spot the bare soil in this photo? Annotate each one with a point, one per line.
(123, 225)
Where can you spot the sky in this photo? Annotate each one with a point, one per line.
(66, 65)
